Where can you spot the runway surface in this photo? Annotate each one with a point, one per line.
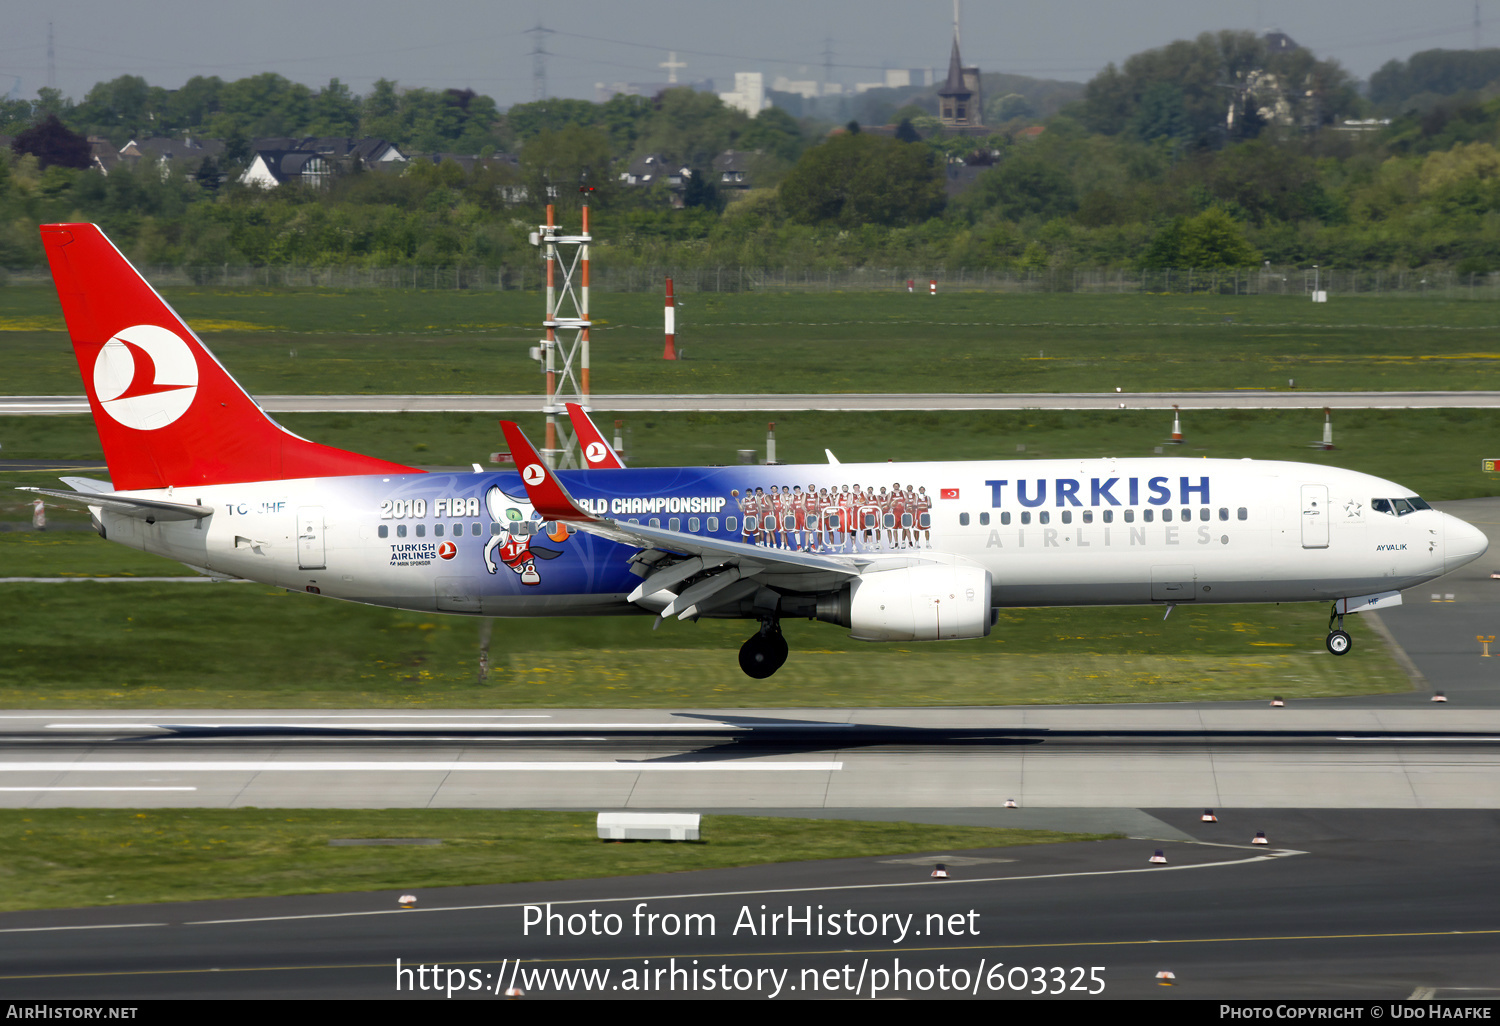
(786, 759)
(1239, 400)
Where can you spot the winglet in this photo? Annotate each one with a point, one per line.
(548, 496)
(597, 453)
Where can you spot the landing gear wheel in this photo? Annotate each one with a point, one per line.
(1339, 642)
(763, 653)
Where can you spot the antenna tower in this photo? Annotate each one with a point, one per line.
(565, 348)
(539, 57)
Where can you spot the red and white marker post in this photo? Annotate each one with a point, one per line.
(670, 352)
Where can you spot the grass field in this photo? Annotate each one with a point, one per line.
(327, 341)
(59, 858)
(202, 645)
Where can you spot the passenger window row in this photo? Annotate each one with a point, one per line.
(1107, 516)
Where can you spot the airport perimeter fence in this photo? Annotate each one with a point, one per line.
(1436, 283)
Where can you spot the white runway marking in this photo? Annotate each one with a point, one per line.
(100, 926)
(112, 580)
(946, 885)
(431, 725)
(98, 789)
(267, 766)
(414, 726)
(1425, 740)
(293, 716)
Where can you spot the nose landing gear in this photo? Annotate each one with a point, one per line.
(764, 652)
(1338, 641)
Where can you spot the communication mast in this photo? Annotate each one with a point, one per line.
(564, 351)
(539, 57)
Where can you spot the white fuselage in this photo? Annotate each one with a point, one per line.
(1050, 532)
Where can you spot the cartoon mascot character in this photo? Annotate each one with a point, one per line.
(515, 544)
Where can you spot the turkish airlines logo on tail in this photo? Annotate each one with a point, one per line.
(595, 453)
(534, 475)
(145, 377)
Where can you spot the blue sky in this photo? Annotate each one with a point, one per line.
(481, 44)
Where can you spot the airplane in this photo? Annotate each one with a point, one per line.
(891, 552)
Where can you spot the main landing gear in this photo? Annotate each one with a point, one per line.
(1339, 642)
(764, 652)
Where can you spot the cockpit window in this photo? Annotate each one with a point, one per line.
(1398, 507)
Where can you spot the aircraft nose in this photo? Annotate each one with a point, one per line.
(1462, 543)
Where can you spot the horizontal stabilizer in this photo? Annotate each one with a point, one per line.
(149, 510)
(87, 484)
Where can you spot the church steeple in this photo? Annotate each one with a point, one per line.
(959, 101)
(955, 83)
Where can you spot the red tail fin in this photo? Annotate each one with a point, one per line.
(548, 496)
(167, 411)
(597, 453)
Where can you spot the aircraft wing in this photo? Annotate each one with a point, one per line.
(698, 574)
(150, 510)
(597, 453)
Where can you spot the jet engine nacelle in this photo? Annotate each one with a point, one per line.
(915, 603)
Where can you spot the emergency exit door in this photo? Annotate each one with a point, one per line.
(1314, 516)
(310, 554)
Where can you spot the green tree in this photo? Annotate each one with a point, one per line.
(1211, 241)
(1179, 90)
(380, 112)
(334, 111)
(774, 132)
(1439, 72)
(262, 105)
(526, 121)
(121, 109)
(190, 107)
(14, 116)
(555, 164)
(1026, 185)
(624, 118)
(1161, 114)
(1009, 107)
(856, 179)
(699, 190)
(692, 127)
